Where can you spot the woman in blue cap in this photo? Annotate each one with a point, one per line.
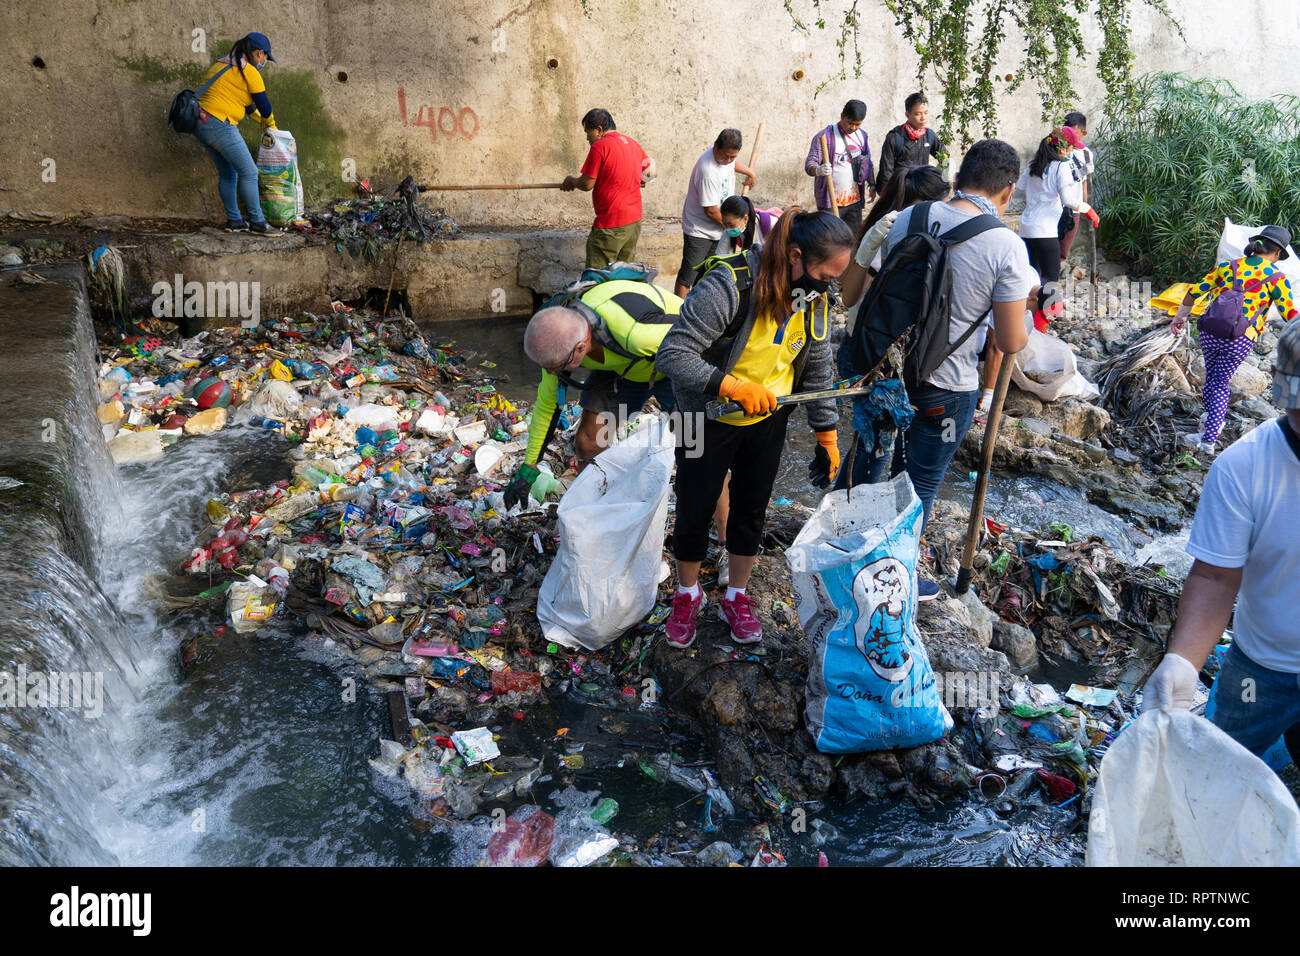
(232, 89)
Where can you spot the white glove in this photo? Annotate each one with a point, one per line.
(986, 400)
(824, 169)
(874, 239)
(1173, 685)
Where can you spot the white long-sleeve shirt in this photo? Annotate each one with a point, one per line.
(1046, 197)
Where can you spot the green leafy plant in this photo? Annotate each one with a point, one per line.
(1186, 154)
(960, 42)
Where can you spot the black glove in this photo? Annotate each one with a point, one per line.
(819, 469)
(516, 491)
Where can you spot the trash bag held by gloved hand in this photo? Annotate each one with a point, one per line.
(605, 576)
(1175, 790)
(278, 182)
(870, 684)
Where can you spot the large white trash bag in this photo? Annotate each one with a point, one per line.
(1232, 245)
(870, 685)
(278, 182)
(1175, 790)
(1046, 367)
(605, 575)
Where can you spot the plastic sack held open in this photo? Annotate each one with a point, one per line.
(870, 684)
(605, 575)
(278, 181)
(1175, 790)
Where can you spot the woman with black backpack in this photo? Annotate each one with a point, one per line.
(756, 327)
(1244, 289)
(233, 88)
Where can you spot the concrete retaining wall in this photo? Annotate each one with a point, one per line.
(473, 276)
(493, 91)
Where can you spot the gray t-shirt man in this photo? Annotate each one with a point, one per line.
(991, 267)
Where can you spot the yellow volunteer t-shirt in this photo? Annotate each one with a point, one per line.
(768, 359)
(230, 96)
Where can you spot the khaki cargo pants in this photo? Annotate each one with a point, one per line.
(615, 244)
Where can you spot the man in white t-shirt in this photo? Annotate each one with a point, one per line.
(1244, 539)
(712, 180)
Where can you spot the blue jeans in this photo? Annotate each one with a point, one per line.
(926, 448)
(236, 171)
(1254, 705)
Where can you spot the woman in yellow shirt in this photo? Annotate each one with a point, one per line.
(755, 327)
(232, 89)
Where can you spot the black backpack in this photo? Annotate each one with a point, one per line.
(911, 300)
(184, 112)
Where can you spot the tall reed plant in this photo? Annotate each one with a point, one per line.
(1188, 154)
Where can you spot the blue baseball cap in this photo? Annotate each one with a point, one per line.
(260, 42)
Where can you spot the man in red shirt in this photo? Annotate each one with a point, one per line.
(617, 168)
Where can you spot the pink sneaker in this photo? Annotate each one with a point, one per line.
(681, 622)
(745, 628)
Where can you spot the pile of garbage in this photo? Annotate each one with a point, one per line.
(390, 540)
(363, 224)
(1063, 596)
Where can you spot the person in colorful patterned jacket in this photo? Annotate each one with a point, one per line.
(1261, 284)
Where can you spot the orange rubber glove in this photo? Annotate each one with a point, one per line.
(754, 399)
(826, 460)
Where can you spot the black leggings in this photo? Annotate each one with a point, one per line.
(1045, 257)
(753, 454)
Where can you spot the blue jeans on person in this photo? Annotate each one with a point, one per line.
(236, 171)
(926, 448)
(1254, 705)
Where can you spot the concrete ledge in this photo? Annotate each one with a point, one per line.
(475, 275)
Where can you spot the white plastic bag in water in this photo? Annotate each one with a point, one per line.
(1046, 367)
(273, 399)
(1175, 790)
(605, 575)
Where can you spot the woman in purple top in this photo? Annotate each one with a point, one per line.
(745, 226)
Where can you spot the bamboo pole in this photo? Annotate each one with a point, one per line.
(830, 180)
(753, 153)
(982, 482)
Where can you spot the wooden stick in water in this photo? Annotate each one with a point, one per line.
(982, 482)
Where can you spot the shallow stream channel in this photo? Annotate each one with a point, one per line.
(256, 751)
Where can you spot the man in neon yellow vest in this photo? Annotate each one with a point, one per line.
(613, 330)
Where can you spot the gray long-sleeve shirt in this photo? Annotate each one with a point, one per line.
(705, 315)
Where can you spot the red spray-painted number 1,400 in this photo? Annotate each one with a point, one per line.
(443, 120)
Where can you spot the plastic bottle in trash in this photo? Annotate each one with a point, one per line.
(337, 491)
(313, 476)
(270, 424)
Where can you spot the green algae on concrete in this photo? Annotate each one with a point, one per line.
(299, 108)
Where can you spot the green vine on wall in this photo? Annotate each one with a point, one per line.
(960, 42)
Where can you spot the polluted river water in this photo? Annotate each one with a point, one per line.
(257, 753)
